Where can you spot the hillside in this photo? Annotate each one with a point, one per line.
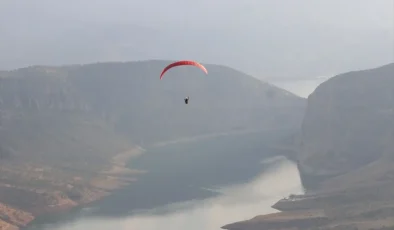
(132, 98)
(67, 132)
(348, 124)
(346, 156)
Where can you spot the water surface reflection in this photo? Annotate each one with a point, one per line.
(237, 202)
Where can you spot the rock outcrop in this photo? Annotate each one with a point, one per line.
(287, 220)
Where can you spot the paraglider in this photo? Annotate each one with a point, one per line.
(182, 63)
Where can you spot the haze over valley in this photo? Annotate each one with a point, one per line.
(297, 101)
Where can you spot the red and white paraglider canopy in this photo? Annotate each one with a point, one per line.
(183, 62)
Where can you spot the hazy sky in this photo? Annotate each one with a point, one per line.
(303, 38)
(207, 13)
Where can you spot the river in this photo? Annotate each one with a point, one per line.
(199, 185)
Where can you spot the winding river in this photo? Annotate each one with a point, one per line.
(199, 185)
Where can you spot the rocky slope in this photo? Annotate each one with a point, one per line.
(349, 124)
(346, 157)
(66, 132)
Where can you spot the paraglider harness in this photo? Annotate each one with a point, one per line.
(186, 100)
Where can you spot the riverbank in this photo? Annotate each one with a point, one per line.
(118, 175)
(59, 197)
(239, 151)
(148, 204)
(178, 173)
(363, 208)
(115, 176)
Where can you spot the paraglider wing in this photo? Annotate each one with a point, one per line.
(184, 62)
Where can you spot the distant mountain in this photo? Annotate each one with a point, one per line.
(131, 97)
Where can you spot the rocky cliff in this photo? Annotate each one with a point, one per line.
(348, 124)
(346, 156)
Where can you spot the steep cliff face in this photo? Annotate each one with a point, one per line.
(349, 127)
(346, 156)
